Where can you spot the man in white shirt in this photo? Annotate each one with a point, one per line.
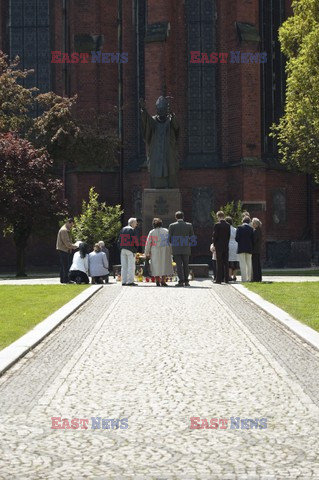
(128, 243)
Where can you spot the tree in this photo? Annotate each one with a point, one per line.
(97, 221)
(29, 196)
(15, 100)
(98, 141)
(297, 133)
(68, 140)
(233, 210)
(55, 129)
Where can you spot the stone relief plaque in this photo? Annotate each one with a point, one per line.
(202, 201)
(279, 207)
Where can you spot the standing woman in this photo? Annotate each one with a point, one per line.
(257, 240)
(158, 249)
(233, 260)
(244, 238)
(80, 266)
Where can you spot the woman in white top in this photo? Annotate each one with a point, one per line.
(213, 250)
(80, 266)
(98, 265)
(233, 259)
(158, 249)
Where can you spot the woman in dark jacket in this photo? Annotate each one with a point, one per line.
(244, 238)
(257, 240)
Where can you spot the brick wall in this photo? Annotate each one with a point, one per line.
(295, 187)
(238, 107)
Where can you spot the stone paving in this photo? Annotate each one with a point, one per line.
(159, 357)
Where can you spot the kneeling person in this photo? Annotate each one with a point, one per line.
(80, 266)
(98, 265)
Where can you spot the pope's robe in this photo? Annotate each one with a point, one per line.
(161, 141)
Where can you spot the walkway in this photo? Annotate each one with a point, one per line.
(158, 357)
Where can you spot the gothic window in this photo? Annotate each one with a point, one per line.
(273, 72)
(29, 38)
(135, 157)
(202, 114)
(141, 14)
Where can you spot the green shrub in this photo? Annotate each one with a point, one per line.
(233, 210)
(97, 221)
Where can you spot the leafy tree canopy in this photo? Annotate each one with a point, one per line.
(70, 141)
(15, 100)
(56, 129)
(297, 133)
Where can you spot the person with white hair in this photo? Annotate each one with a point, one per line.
(128, 243)
(98, 265)
(104, 249)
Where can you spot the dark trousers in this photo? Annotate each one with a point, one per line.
(78, 276)
(100, 280)
(222, 267)
(256, 267)
(182, 262)
(214, 268)
(65, 264)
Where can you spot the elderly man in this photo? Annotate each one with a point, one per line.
(128, 243)
(65, 246)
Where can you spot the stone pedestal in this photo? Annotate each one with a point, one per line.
(162, 203)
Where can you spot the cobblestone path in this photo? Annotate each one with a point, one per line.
(158, 357)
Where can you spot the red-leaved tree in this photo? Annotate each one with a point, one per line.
(29, 195)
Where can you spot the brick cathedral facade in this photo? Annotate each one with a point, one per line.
(225, 110)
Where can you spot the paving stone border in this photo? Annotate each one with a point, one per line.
(306, 333)
(13, 352)
(159, 357)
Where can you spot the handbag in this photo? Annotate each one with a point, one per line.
(146, 268)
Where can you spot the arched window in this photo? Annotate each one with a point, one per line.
(273, 72)
(202, 113)
(29, 38)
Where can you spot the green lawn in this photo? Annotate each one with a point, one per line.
(300, 300)
(293, 273)
(23, 306)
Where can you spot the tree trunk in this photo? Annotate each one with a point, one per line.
(21, 233)
(20, 267)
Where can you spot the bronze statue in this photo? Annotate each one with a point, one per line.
(160, 135)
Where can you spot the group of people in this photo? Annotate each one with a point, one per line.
(160, 245)
(231, 249)
(237, 248)
(83, 264)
